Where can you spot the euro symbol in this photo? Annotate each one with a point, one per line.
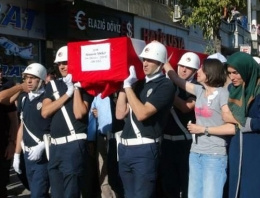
(78, 20)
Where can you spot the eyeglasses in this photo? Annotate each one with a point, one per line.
(63, 63)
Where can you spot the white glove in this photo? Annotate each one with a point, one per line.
(68, 81)
(77, 85)
(36, 152)
(16, 163)
(131, 79)
(70, 90)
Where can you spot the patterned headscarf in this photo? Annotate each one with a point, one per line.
(241, 96)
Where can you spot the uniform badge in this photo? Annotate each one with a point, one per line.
(149, 92)
(60, 54)
(39, 106)
(147, 50)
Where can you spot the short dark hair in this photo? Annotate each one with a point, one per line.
(215, 72)
(51, 70)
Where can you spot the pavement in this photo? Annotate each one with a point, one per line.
(16, 188)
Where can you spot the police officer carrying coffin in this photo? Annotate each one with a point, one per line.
(32, 128)
(146, 108)
(68, 106)
(174, 164)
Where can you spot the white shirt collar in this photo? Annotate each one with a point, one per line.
(34, 94)
(148, 79)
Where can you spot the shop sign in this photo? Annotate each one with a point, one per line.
(13, 71)
(20, 20)
(93, 22)
(167, 39)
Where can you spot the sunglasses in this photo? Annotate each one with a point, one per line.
(63, 63)
(29, 77)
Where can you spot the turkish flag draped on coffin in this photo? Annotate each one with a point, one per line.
(102, 65)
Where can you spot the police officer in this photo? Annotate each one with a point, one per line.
(31, 130)
(68, 108)
(176, 142)
(146, 107)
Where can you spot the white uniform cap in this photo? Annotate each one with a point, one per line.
(257, 59)
(218, 56)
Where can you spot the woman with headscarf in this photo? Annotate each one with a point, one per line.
(244, 103)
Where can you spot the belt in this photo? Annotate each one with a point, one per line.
(138, 141)
(111, 135)
(27, 149)
(175, 137)
(69, 138)
(116, 135)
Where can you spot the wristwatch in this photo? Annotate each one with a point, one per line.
(206, 132)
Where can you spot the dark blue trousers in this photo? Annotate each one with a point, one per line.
(114, 179)
(66, 169)
(37, 176)
(249, 182)
(138, 166)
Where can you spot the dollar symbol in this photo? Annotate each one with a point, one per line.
(78, 20)
(129, 30)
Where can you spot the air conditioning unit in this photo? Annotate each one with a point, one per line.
(177, 12)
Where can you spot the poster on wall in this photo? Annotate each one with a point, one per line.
(22, 26)
(15, 54)
(11, 48)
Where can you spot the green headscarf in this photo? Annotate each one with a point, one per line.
(240, 97)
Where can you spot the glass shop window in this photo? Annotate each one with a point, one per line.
(16, 53)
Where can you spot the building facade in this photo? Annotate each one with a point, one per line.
(32, 31)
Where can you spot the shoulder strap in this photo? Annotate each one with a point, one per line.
(37, 140)
(63, 109)
(184, 130)
(136, 130)
(22, 105)
(55, 91)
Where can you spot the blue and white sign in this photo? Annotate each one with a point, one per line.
(20, 18)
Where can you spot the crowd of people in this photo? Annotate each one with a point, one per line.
(191, 133)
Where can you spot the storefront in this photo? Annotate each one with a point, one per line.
(22, 35)
(67, 22)
(33, 32)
